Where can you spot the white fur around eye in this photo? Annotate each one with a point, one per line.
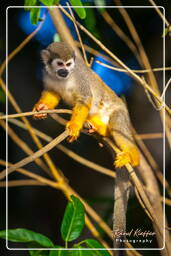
(55, 63)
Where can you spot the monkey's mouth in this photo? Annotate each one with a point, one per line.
(63, 73)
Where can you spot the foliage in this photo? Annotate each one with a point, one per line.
(72, 225)
(35, 11)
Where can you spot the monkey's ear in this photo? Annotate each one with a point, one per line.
(45, 55)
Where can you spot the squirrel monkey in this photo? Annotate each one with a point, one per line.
(67, 77)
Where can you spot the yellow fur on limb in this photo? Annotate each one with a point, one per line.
(49, 98)
(79, 116)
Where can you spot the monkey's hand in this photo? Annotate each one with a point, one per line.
(74, 130)
(38, 107)
(129, 155)
(48, 100)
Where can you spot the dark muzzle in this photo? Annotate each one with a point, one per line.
(63, 72)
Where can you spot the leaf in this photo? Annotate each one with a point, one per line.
(91, 243)
(26, 236)
(165, 32)
(38, 253)
(59, 252)
(47, 2)
(80, 11)
(29, 3)
(56, 38)
(73, 220)
(81, 252)
(34, 15)
(100, 3)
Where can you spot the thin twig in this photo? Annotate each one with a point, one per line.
(120, 32)
(159, 13)
(78, 34)
(48, 160)
(34, 176)
(23, 145)
(31, 113)
(142, 71)
(20, 47)
(16, 183)
(37, 154)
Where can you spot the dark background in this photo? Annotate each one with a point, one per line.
(41, 208)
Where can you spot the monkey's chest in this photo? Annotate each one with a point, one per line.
(68, 93)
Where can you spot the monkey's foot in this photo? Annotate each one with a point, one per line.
(38, 107)
(74, 130)
(130, 156)
(90, 127)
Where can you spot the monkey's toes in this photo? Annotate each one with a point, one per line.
(131, 156)
(122, 159)
(74, 130)
(38, 108)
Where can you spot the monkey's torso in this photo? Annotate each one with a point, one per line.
(104, 101)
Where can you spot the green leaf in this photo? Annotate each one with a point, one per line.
(34, 15)
(100, 3)
(47, 2)
(59, 252)
(56, 38)
(81, 252)
(29, 3)
(73, 220)
(90, 21)
(91, 243)
(39, 253)
(165, 32)
(80, 11)
(26, 236)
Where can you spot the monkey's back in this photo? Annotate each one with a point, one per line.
(104, 99)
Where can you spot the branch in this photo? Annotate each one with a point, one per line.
(31, 113)
(37, 154)
(16, 183)
(69, 152)
(159, 13)
(23, 145)
(142, 71)
(20, 47)
(48, 160)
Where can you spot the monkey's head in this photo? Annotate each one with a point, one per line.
(59, 60)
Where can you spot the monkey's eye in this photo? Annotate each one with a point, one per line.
(68, 64)
(60, 63)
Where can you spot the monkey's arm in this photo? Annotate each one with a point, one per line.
(79, 115)
(48, 100)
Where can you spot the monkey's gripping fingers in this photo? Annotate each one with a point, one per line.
(74, 130)
(128, 156)
(38, 107)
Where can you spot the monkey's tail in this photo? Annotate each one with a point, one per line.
(121, 195)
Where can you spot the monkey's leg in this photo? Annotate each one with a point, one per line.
(120, 130)
(79, 116)
(48, 100)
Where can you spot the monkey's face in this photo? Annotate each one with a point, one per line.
(58, 67)
(62, 69)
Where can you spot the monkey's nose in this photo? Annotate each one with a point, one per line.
(62, 72)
